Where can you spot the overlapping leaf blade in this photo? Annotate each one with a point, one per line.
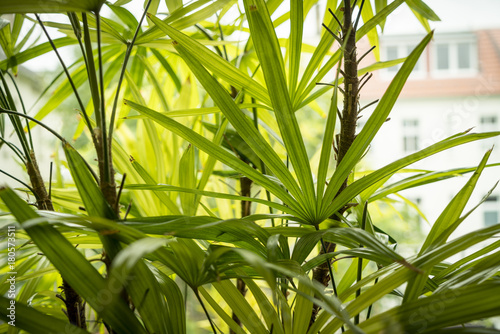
(462, 305)
(96, 205)
(49, 6)
(269, 53)
(214, 63)
(33, 321)
(373, 124)
(75, 269)
(217, 152)
(359, 185)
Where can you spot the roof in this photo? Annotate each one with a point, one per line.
(481, 78)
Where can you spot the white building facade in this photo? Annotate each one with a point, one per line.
(455, 86)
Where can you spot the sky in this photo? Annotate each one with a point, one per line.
(456, 15)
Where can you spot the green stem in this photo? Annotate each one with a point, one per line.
(207, 35)
(8, 103)
(16, 179)
(329, 267)
(58, 136)
(64, 68)
(196, 293)
(360, 259)
(23, 107)
(14, 149)
(91, 71)
(369, 312)
(262, 165)
(102, 124)
(122, 73)
(16, 113)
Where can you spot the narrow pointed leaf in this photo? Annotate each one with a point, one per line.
(302, 309)
(175, 304)
(216, 64)
(128, 270)
(91, 195)
(74, 268)
(49, 6)
(187, 179)
(34, 52)
(148, 179)
(269, 53)
(240, 307)
(421, 179)
(296, 32)
(461, 305)
(421, 7)
(444, 226)
(453, 210)
(241, 123)
(320, 52)
(360, 185)
(220, 312)
(164, 187)
(217, 152)
(33, 321)
(374, 123)
(326, 146)
(401, 275)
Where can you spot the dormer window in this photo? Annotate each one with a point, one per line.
(443, 57)
(399, 49)
(454, 56)
(464, 55)
(447, 56)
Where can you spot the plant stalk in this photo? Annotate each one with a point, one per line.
(197, 294)
(75, 308)
(347, 127)
(246, 206)
(245, 188)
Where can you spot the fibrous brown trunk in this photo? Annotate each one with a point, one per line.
(108, 188)
(75, 309)
(245, 188)
(347, 126)
(43, 201)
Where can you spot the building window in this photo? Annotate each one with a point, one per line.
(418, 66)
(395, 51)
(455, 56)
(410, 123)
(490, 218)
(488, 123)
(464, 55)
(410, 143)
(410, 135)
(491, 211)
(392, 53)
(443, 56)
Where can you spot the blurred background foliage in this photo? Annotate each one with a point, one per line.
(227, 114)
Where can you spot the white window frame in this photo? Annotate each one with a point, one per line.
(491, 206)
(403, 44)
(411, 131)
(488, 127)
(453, 40)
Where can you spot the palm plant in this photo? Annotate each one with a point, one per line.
(130, 267)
